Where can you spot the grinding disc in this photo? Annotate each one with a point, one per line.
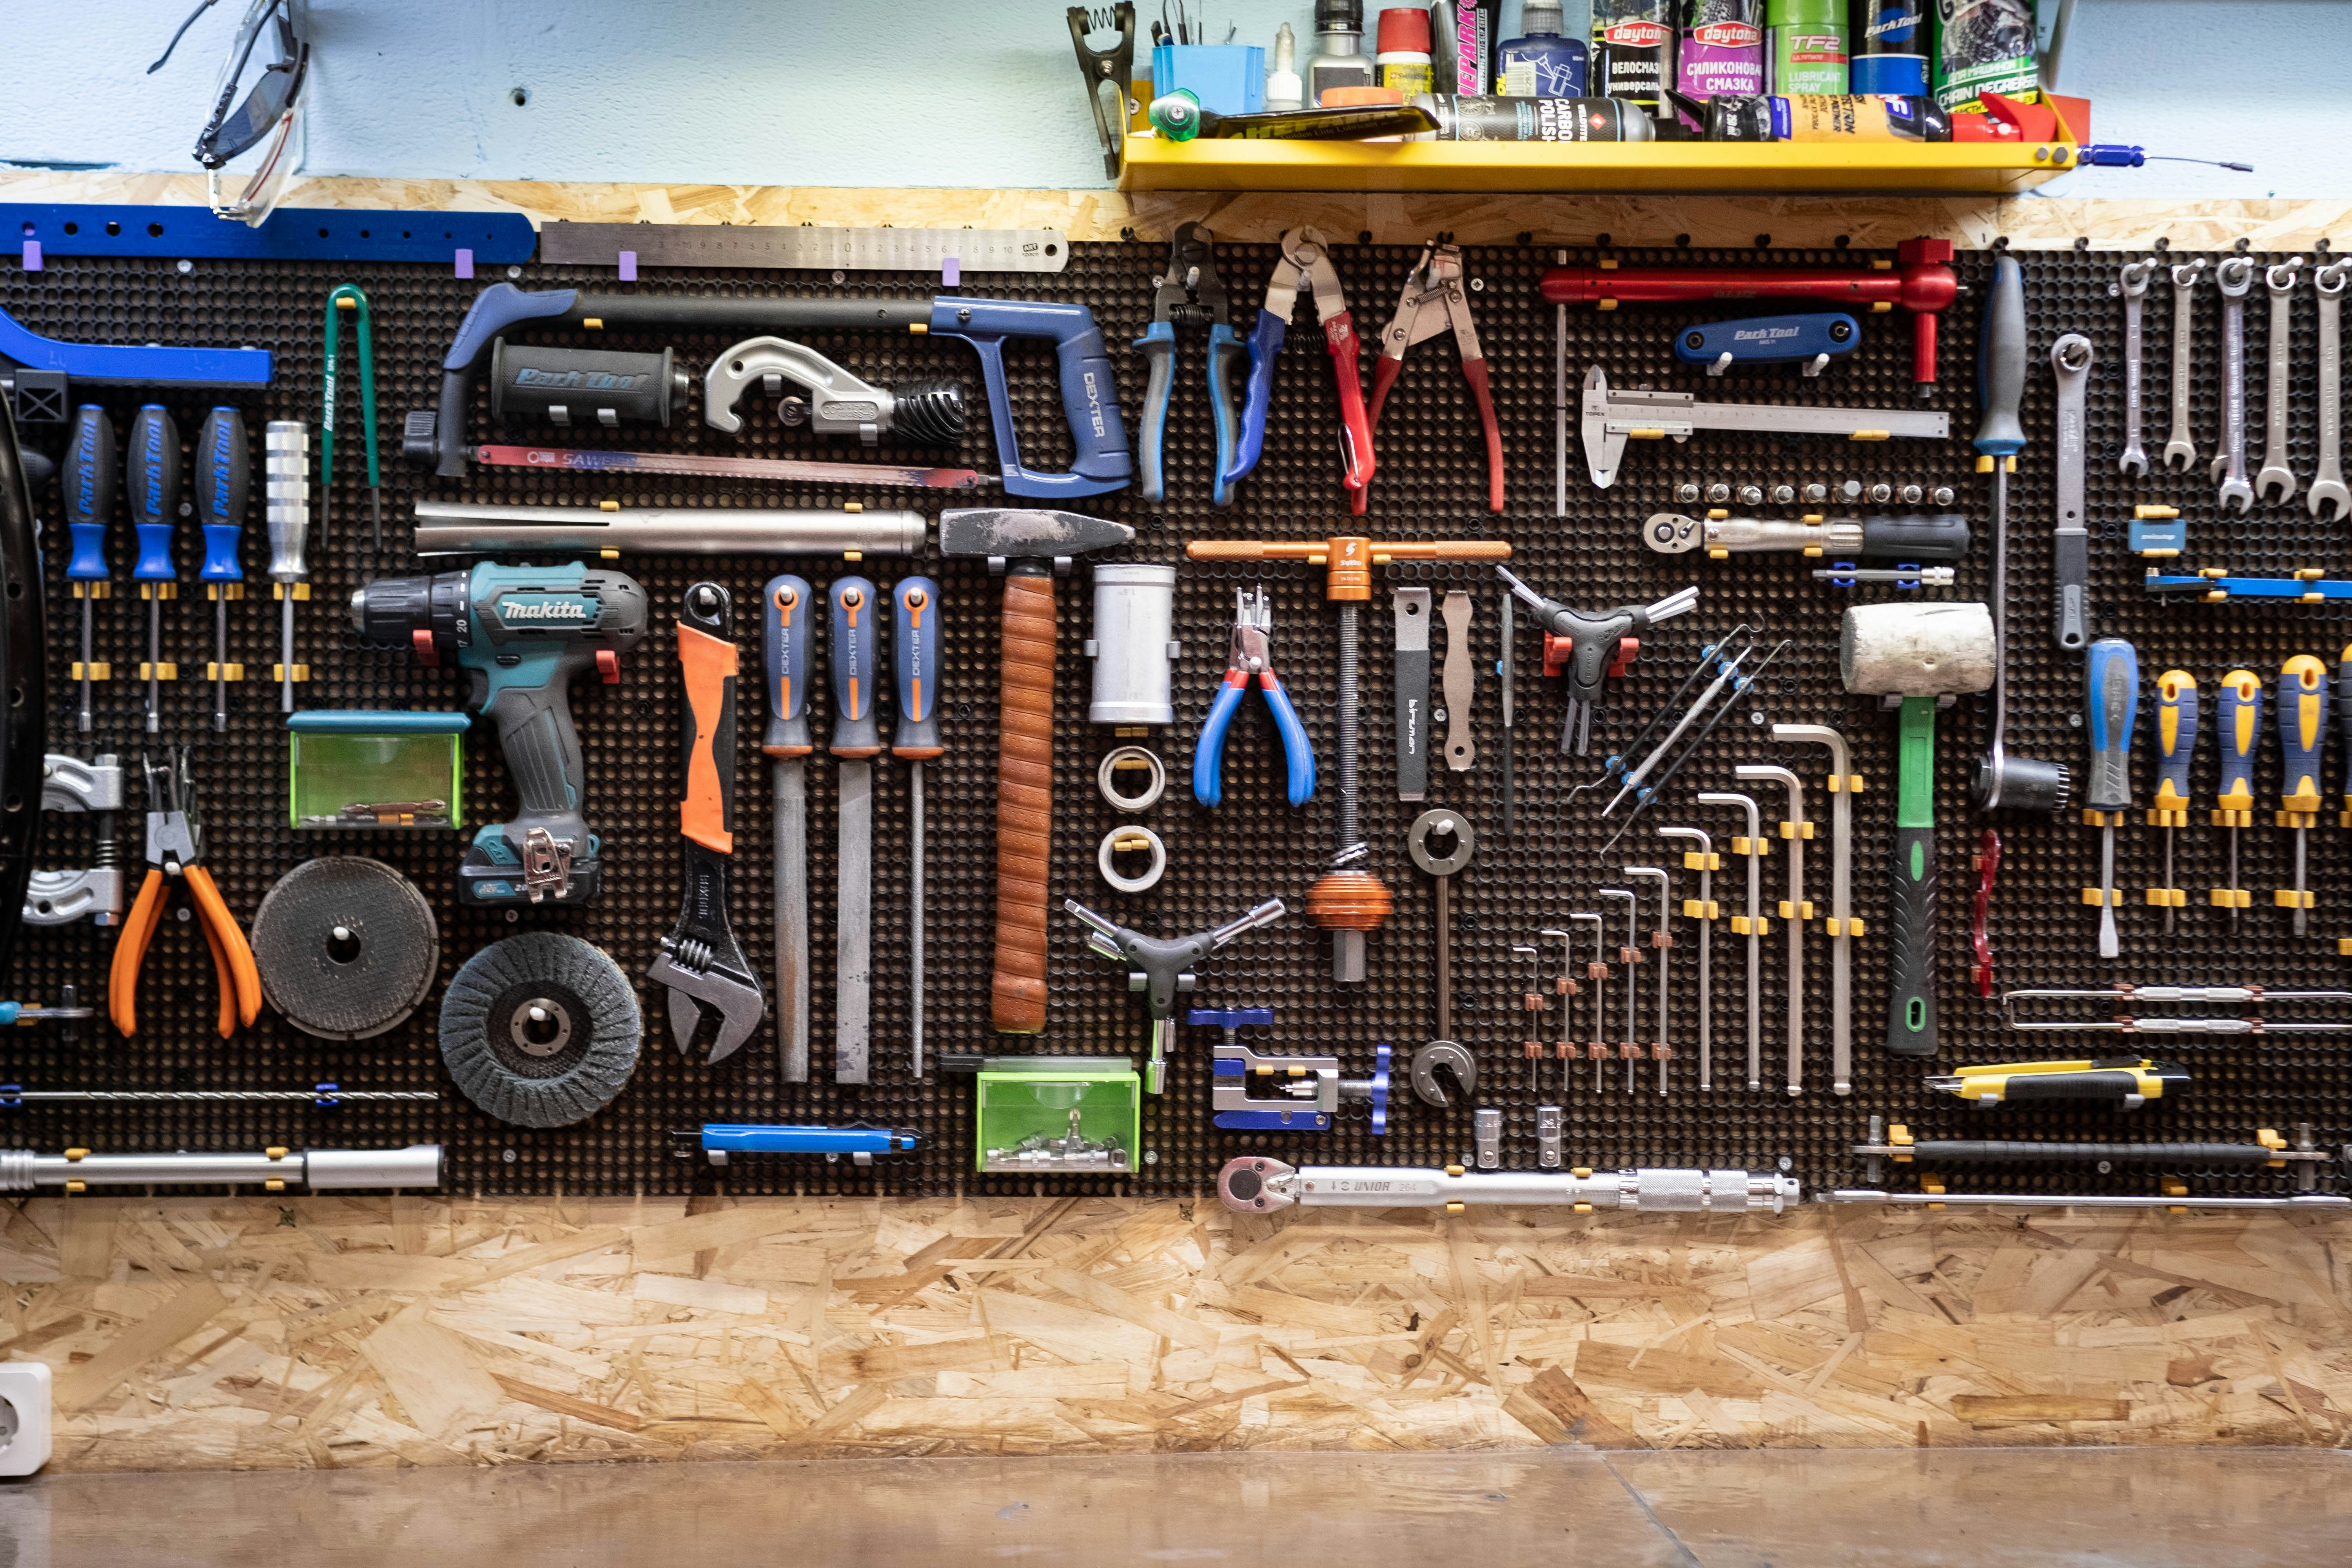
(541, 1029)
(346, 948)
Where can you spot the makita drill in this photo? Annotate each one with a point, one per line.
(521, 634)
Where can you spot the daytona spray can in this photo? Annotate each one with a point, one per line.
(1806, 45)
(1984, 46)
(1722, 48)
(1536, 119)
(1890, 47)
(1634, 50)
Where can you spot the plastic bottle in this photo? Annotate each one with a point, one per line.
(1539, 63)
(1634, 50)
(1403, 61)
(1721, 49)
(1806, 47)
(1889, 48)
(1340, 61)
(1283, 88)
(1984, 46)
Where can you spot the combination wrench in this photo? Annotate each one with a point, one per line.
(2180, 451)
(2133, 286)
(2327, 485)
(2235, 279)
(2276, 474)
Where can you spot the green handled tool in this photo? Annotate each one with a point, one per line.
(2113, 699)
(2303, 731)
(2176, 747)
(347, 297)
(2237, 724)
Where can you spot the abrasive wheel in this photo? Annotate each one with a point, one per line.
(541, 1029)
(346, 947)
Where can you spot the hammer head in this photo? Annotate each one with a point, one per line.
(1915, 650)
(1012, 533)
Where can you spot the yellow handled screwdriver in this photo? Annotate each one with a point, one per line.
(2238, 724)
(2176, 748)
(2303, 728)
(2125, 1082)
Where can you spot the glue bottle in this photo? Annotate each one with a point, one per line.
(1283, 88)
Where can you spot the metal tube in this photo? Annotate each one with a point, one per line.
(2075, 1200)
(1253, 1185)
(320, 1170)
(1793, 912)
(458, 528)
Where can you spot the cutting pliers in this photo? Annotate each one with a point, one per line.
(175, 852)
(1433, 301)
(1189, 294)
(1250, 657)
(1307, 260)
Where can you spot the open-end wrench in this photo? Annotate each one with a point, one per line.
(2276, 474)
(2132, 284)
(2327, 485)
(2180, 451)
(2235, 279)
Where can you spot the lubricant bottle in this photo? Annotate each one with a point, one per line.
(1984, 46)
(1817, 118)
(1721, 49)
(1537, 119)
(1889, 48)
(1634, 50)
(1805, 45)
(1404, 60)
(1467, 32)
(1539, 62)
(1340, 61)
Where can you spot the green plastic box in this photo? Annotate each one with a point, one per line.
(1074, 1116)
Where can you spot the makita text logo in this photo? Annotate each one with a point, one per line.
(543, 610)
(580, 380)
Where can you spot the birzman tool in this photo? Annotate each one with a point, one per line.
(1461, 751)
(788, 611)
(2180, 449)
(915, 645)
(1629, 955)
(1841, 926)
(541, 1029)
(1161, 968)
(1029, 548)
(459, 528)
(286, 507)
(2176, 750)
(2131, 286)
(1412, 656)
(857, 740)
(2235, 279)
(1751, 846)
(347, 297)
(1702, 910)
(2125, 1082)
(1306, 259)
(2301, 703)
(716, 1142)
(1943, 537)
(223, 485)
(2276, 484)
(1254, 1184)
(573, 459)
(273, 1170)
(1661, 942)
(1590, 647)
(2112, 697)
(1794, 910)
(2328, 499)
(1430, 829)
(803, 247)
(1108, 73)
(151, 483)
(87, 488)
(2125, 995)
(700, 961)
(2070, 365)
(1433, 302)
(1307, 1091)
(346, 948)
(1920, 655)
(1612, 417)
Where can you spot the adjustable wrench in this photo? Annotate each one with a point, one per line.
(2133, 286)
(2180, 451)
(2327, 485)
(2276, 474)
(2235, 279)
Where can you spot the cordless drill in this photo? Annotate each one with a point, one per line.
(521, 634)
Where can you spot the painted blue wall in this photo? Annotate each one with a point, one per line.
(897, 92)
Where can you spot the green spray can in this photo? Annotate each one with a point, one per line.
(1805, 46)
(1984, 46)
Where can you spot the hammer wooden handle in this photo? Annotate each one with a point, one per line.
(1024, 803)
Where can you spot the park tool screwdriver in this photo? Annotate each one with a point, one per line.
(151, 478)
(2125, 1082)
(856, 741)
(2176, 745)
(2114, 702)
(89, 488)
(2303, 731)
(224, 483)
(785, 649)
(286, 505)
(2238, 725)
(1189, 294)
(347, 297)
(914, 648)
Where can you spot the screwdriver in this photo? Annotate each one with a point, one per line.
(786, 629)
(917, 739)
(2000, 383)
(286, 505)
(2176, 744)
(347, 297)
(2302, 730)
(224, 483)
(2114, 702)
(2237, 723)
(89, 486)
(151, 476)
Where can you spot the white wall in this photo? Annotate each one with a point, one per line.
(986, 93)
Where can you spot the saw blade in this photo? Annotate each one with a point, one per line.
(541, 1030)
(346, 947)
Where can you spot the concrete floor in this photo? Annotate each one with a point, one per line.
(2146, 1507)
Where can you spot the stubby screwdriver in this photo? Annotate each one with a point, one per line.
(285, 503)
(2303, 731)
(2114, 703)
(151, 478)
(224, 484)
(916, 740)
(2237, 726)
(89, 487)
(2176, 747)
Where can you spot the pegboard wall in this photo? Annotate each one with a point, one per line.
(1431, 483)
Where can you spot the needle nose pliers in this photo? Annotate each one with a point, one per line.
(1433, 301)
(1250, 657)
(1307, 262)
(175, 852)
(1189, 294)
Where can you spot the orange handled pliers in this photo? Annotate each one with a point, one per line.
(175, 852)
(1433, 302)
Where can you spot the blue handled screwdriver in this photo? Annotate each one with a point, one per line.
(223, 485)
(2176, 748)
(2114, 699)
(2303, 731)
(789, 611)
(2238, 726)
(915, 650)
(87, 483)
(151, 478)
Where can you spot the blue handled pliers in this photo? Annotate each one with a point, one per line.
(1189, 294)
(1251, 658)
(1306, 264)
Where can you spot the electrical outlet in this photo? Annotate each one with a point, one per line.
(24, 1416)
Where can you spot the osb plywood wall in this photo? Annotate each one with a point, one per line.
(203, 1333)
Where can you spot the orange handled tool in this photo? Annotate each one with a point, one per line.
(175, 850)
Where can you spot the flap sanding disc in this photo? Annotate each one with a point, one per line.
(541, 1029)
(346, 947)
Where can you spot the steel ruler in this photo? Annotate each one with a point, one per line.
(806, 247)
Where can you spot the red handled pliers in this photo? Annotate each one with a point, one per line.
(1433, 301)
(1306, 259)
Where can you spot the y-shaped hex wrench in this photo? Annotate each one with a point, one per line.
(2180, 451)
(1663, 941)
(2276, 475)
(1843, 928)
(2327, 486)
(1630, 956)
(1598, 973)
(1794, 910)
(1705, 862)
(2132, 284)
(1751, 844)
(2235, 279)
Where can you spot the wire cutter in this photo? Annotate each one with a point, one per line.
(175, 850)
(1250, 656)
(1307, 260)
(1189, 294)
(1433, 301)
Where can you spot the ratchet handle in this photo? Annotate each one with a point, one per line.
(786, 617)
(88, 488)
(1158, 345)
(1265, 342)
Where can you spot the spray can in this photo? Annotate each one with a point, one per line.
(1537, 119)
(1984, 46)
(1806, 45)
(1889, 48)
(1634, 50)
(1465, 58)
(1721, 49)
(1819, 118)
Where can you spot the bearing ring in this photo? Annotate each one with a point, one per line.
(1120, 760)
(1121, 837)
